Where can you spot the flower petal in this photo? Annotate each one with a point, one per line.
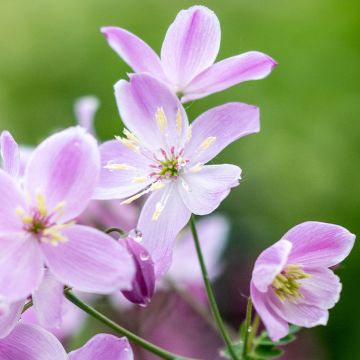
(134, 51)
(203, 191)
(21, 266)
(321, 289)
(90, 261)
(118, 184)
(48, 302)
(185, 269)
(225, 123)
(252, 65)
(270, 263)
(275, 325)
(159, 235)
(64, 168)
(105, 347)
(10, 154)
(85, 109)
(30, 342)
(11, 199)
(139, 100)
(319, 244)
(9, 320)
(191, 45)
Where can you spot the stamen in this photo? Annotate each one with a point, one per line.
(198, 167)
(189, 133)
(153, 187)
(178, 122)
(158, 210)
(161, 120)
(113, 166)
(207, 143)
(139, 179)
(41, 204)
(131, 136)
(128, 143)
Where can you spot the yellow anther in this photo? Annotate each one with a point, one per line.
(131, 136)
(161, 120)
(128, 143)
(157, 185)
(139, 179)
(207, 143)
(41, 204)
(133, 198)
(178, 122)
(112, 166)
(158, 210)
(189, 133)
(153, 187)
(198, 167)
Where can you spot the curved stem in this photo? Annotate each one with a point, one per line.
(122, 331)
(114, 229)
(213, 305)
(247, 328)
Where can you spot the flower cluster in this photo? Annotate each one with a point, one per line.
(145, 184)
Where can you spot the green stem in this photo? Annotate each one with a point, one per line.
(254, 330)
(28, 305)
(210, 293)
(247, 329)
(122, 331)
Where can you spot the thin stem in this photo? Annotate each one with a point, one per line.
(211, 297)
(120, 330)
(254, 330)
(28, 305)
(247, 329)
(114, 229)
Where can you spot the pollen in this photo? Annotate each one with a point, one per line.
(161, 120)
(158, 210)
(178, 122)
(114, 166)
(207, 143)
(286, 284)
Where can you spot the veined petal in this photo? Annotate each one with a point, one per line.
(9, 320)
(64, 169)
(10, 154)
(159, 233)
(134, 51)
(140, 100)
(85, 109)
(105, 347)
(275, 325)
(11, 199)
(203, 191)
(270, 263)
(252, 65)
(319, 244)
(119, 184)
(48, 302)
(90, 261)
(191, 45)
(30, 342)
(225, 123)
(21, 266)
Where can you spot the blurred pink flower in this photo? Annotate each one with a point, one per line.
(291, 280)
(188, 53)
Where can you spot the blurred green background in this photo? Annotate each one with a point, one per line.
(302, 166)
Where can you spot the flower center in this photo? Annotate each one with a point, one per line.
(286, 284)
(42, 224)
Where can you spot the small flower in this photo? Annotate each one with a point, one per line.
(188, 54)
(163, 156)
(31, 342)
(37, 227)
(291, 280)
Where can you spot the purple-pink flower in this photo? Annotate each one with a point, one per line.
(162, 155)
(37, 227)
(31, 342)
(188, 53)
(292, 281)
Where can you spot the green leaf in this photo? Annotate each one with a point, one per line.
(266, 352)
(238, 348)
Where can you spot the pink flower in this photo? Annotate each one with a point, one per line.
(37, 228)
(291, 280)
(163, 156)
(188, 54)
(30, 342)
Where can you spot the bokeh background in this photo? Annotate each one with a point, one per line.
(302, 166)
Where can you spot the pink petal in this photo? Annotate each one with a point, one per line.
(185, 269)
(10, 154)
(191, 45)
(65, 168)
(134, 51)
(275, 325)
(48, 302)
(226, 123)
(319, 244)
(85, 109)
(270, 263)
(9, 320)
(119, 184)
(30, 342)
(159, 235)
(104, 347)
(252, 65)
(322, 289)
(203, 191)
(90, 261)
(138, 102)
(11, 199)
(21, 266)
